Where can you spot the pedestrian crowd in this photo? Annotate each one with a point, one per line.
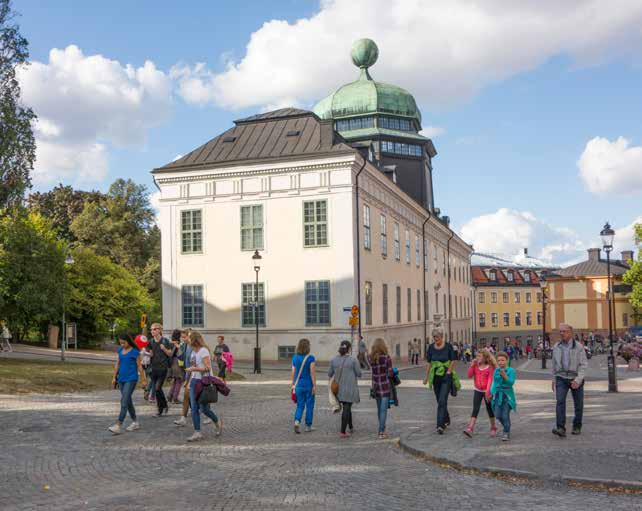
(188, 362)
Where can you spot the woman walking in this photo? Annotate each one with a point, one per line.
(481, 371)
(200, 364)
(381, 364)
(126, 372)
(344, 370)
(304, 384)
(176, 371)
(440, 357)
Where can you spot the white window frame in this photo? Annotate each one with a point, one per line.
(253, 227)
(316, 223)
(367, 239)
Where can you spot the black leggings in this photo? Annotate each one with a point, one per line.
(478, 397)
(158, 378)
(346, 416)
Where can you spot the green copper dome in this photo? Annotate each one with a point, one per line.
(365, 95)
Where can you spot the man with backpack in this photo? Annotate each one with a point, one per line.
(223, 356)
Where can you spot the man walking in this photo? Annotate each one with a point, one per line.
(221, 361)
(362, 355)
(161, 358)
(569, 367)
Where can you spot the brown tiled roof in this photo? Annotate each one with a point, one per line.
(480, 278)
(591, 268)
(284, 133)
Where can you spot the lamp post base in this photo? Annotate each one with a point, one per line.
(257, 360)
(612, 374)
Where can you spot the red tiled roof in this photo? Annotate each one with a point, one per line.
(480, 278)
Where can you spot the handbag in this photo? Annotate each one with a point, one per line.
(334, 385)
(297, 378)
(209, 392)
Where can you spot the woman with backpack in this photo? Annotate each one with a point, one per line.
(382, 371)
(200, 365)
(304, 383)
(343, 373)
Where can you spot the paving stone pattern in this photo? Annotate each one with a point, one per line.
(259, 463)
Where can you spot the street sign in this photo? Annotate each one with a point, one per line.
(355, 311)
(347, 309)
(352, 321)
(143, 320)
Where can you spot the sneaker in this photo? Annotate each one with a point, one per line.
(468, 432)
(181, 421)
(383, 436)
(297, 427)
(440, 430)
(493, 432)
(560, 432)
(116, 429)
(195, 437)
(134, 426)
(505, 437)
(309, 429)
(218, 427)
(206, 420)
(152, 399)
(576, 431)
(344, 435)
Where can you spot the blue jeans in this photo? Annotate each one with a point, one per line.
(382, 411)
(198, 409)
(562, 386)
(304, 400)
(441, 386)
(502, 412)
(126, 403)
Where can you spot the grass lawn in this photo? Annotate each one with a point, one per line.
(19, 376)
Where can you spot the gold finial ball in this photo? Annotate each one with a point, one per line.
(364, 53)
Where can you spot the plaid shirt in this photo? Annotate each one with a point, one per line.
(381, 373)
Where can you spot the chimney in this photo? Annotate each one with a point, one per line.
(327, 133)
(593, 254)
(525, 251)
(627, 257)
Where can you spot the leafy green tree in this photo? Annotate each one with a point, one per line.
(102, 294)
(17, 144)
(31, 272)
(634, 276)
(62, 205)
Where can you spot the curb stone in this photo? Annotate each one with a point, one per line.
(404, 445)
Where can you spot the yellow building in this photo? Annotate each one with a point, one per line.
(508, 300)
(578, 296)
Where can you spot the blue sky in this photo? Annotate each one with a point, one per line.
(515, 95)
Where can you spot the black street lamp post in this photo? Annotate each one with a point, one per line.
(69, 260)
(607, 235)
(542, 284)
(256, 258)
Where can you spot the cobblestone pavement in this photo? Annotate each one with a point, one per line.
(56, 454)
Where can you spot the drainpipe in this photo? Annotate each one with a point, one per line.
(424, 247)
(450, 301)
(471, 284)
(356, 184)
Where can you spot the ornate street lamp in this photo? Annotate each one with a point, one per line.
(607, 235)
(69, 260)
(542, 285)
(256, 260)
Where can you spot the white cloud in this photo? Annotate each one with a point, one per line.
(611, 167)
(432, 131)
(86, 103)
(508, 232)
(443, 50)
(625, 237)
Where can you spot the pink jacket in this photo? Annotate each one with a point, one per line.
(482, 378)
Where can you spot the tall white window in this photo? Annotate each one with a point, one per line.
(384, 297)
(417, 251)
(384, 235)
(482, 320)
(443, 261)
(407, 247)
(435, 264)
(192, 306)
(398, 304)
(251, 227)
(191, 231)
(366, 227)
(250, 306)
(317, 302)
(315, 223)
(368, 293)
(481, 297)
(396, 242)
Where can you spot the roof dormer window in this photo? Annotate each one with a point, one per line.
(527, 276)
(509, 275)
(492, 275)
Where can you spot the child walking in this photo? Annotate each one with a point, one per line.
(481, 371)
(503, 394)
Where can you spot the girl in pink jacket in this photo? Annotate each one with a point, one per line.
(481, 370)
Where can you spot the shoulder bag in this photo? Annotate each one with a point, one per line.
(209, 392)
(334, 386)
(298, 377)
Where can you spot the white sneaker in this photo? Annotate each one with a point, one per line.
(218, 427)
(134, 426)
(206, 420)
(181, 421)
(297, 427)
(116, 429)
(195, 437)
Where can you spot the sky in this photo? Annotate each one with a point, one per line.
(534, 106)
